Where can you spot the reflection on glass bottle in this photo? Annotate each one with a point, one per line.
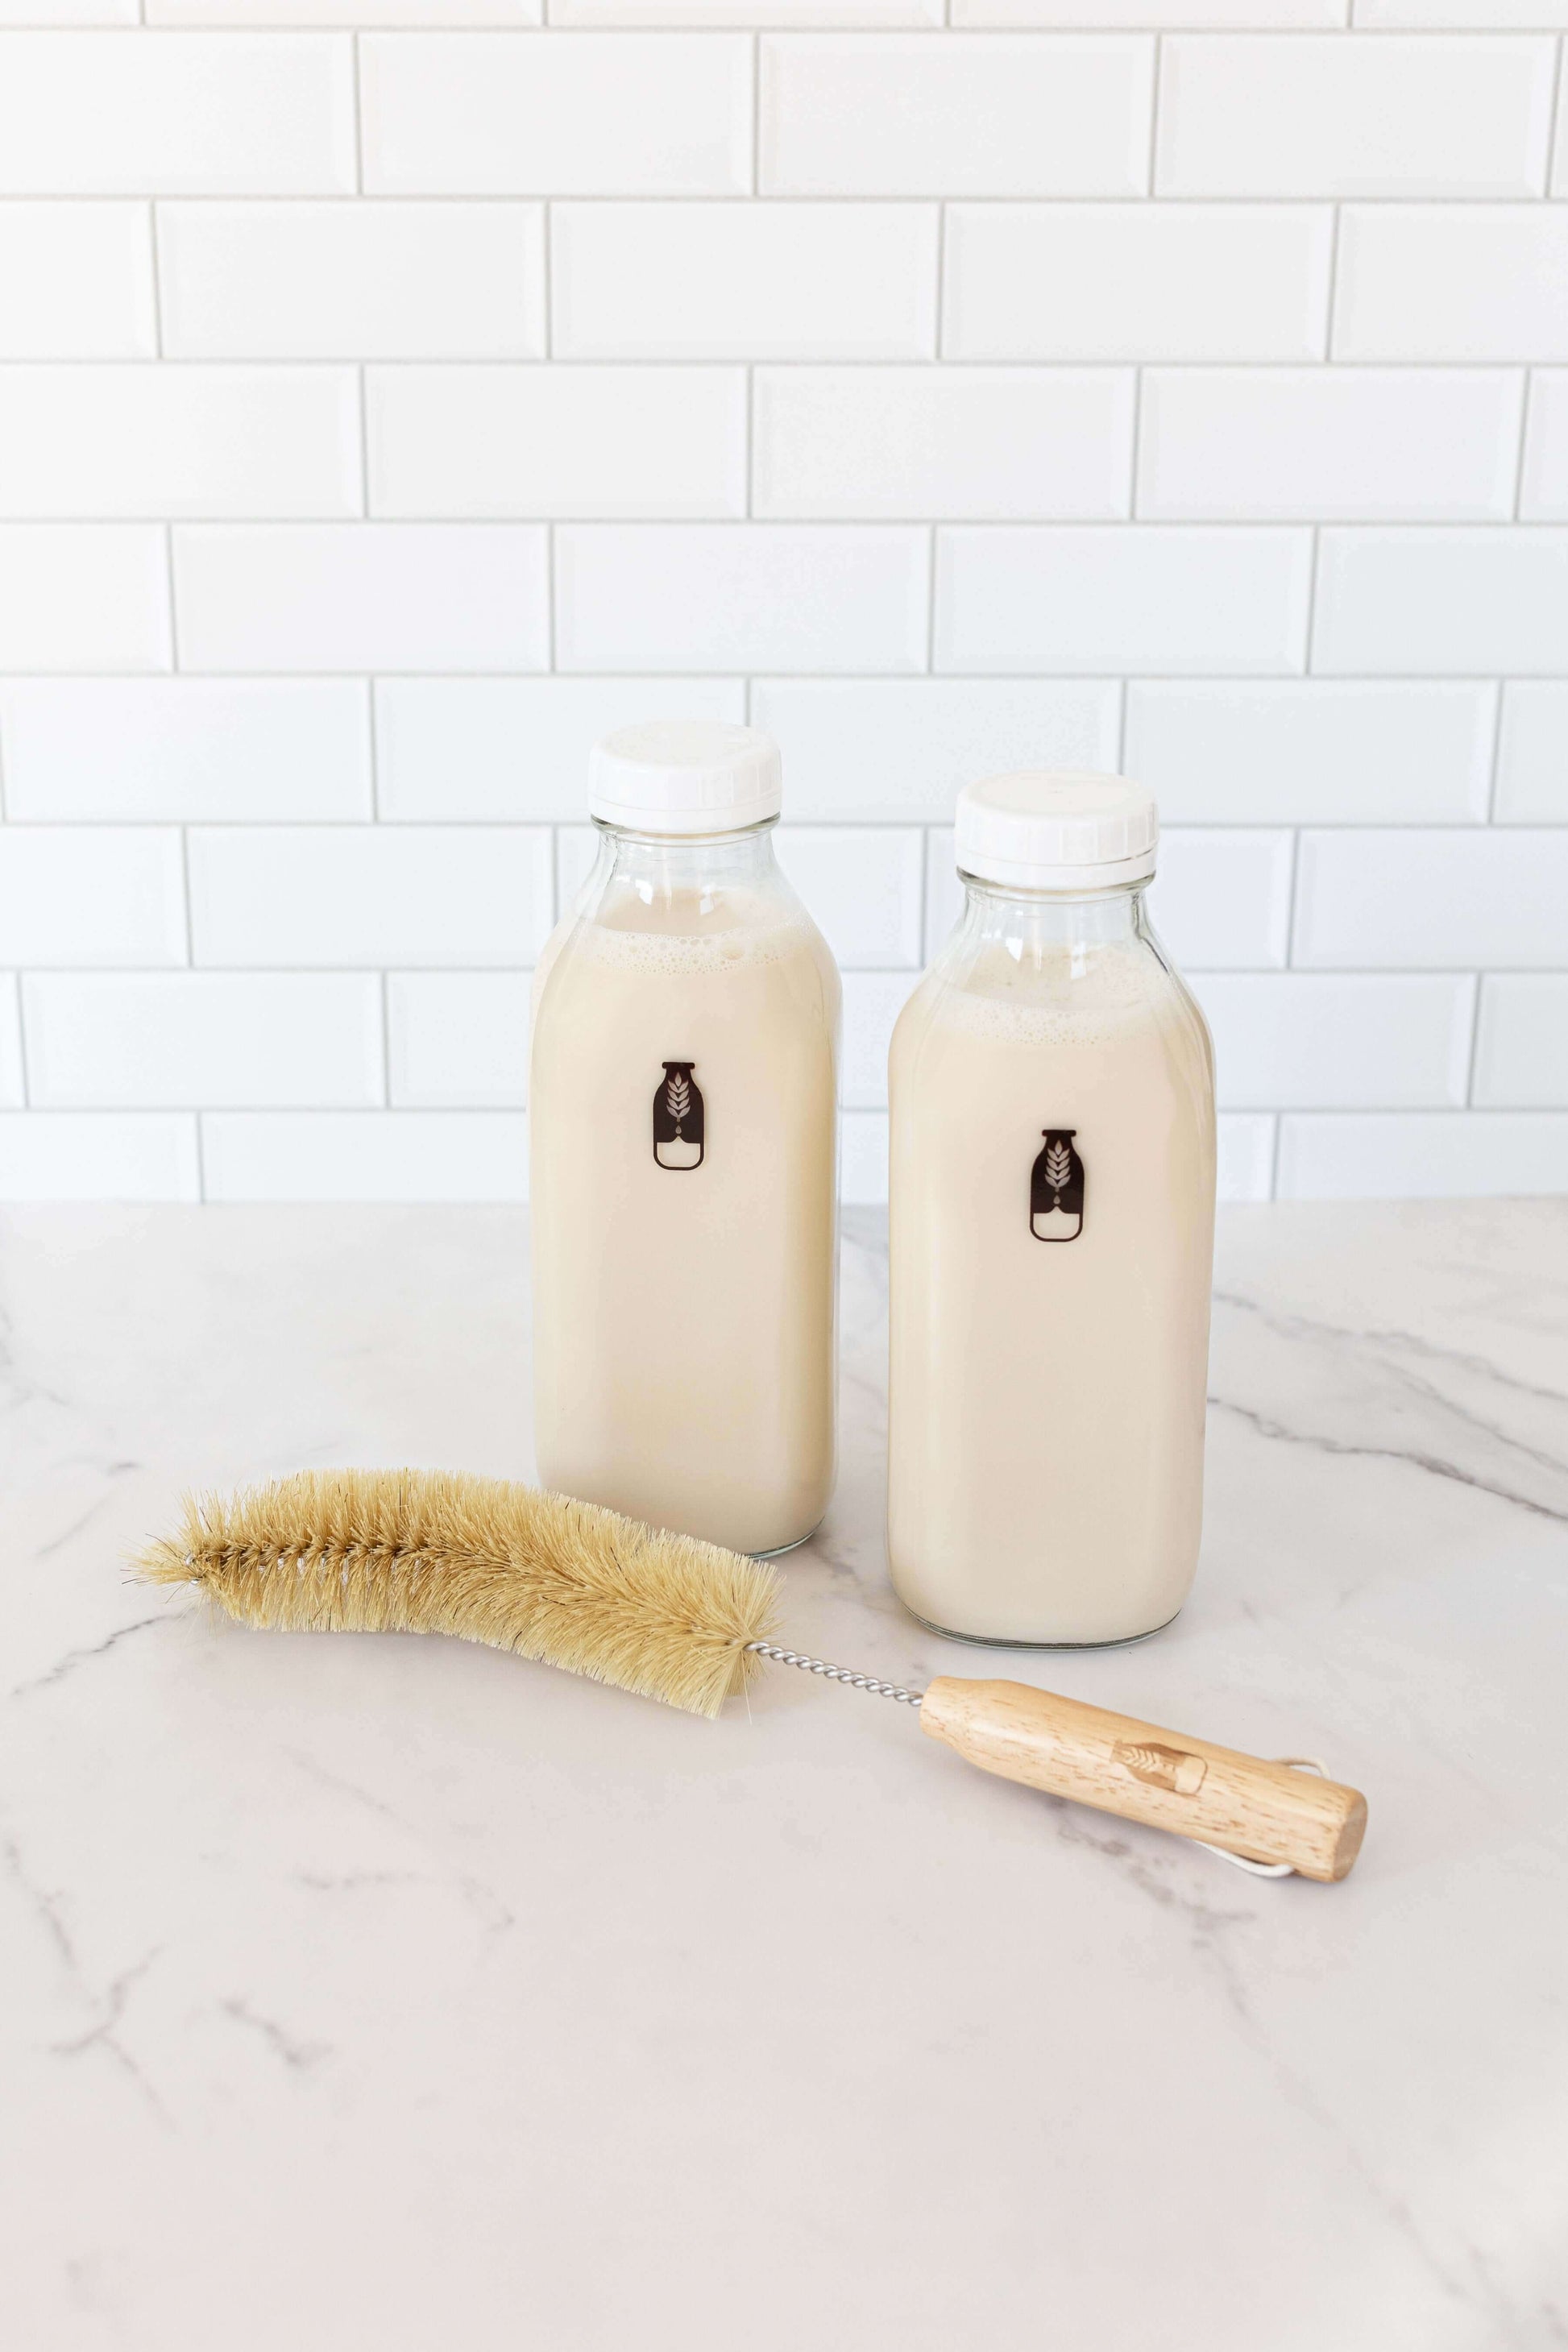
(1055, 1189)
(677, 1118)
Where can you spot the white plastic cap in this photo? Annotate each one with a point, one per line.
(685, 776)
(1056, 829)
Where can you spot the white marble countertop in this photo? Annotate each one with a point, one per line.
(391, 1996)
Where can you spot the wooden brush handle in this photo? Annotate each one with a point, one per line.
(1266, 1812)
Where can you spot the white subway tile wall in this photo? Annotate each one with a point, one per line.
(347, 282)
(876, 115)
(510, 115)
(1314, 115)
(744, 282)
(456, 1040)
(192, 1040)
(233, 114)
(1543, 486)
(13, 1078)
(1532, 754)
(557, 441)
(395, 395)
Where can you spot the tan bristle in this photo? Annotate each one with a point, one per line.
(430, 1552)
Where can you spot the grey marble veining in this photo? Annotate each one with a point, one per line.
(385, 1993)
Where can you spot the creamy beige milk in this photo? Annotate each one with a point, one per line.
(1048, 1361)
(683, 1267)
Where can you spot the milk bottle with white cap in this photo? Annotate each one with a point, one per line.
(1052, 1191)
(682, 1107)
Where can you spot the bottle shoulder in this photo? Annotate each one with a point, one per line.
(986, 1005)
(1134, 971)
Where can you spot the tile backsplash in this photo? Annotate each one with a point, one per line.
(396, 394)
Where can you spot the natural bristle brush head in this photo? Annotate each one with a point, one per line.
(384, 1551)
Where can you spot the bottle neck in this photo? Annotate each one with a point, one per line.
(656, 867)
(1039, 919)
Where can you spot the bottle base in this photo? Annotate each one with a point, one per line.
(779, 1550)
(1004, 1642)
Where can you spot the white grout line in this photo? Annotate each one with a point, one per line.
(1134, 487)
(1414, 829)
(1555, 113)
(716, 362)
(191, 965)
(1276, 1141)
(1201, 976)
(1250, 681)
(1475, 1040)
(190, 962)
(26, 1073)
(940, 282)
(1292, 909)
(174, 600)
(756, 114)
(549, 226)
(1331, 319)
(1526, 399)
(653, 197)
(358, 115)
(1307, 669)
(1494, 775)
(1060, 525)
(157, 286)
(376, 807)
(1158, 70)
(782, 25)
(363, 386)
(385, 1000)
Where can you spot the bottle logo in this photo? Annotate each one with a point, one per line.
(678, 1118)
(1159, 1766)
(1055, 1189)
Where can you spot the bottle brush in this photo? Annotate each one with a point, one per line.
(375, 1551)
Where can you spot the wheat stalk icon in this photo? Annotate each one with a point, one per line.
(1058, 1165)
(677, 1098)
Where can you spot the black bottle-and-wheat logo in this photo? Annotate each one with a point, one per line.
(678, 1118)
(1055, 1189)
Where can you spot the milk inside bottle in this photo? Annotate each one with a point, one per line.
(1052, 1189)
(682, 1105)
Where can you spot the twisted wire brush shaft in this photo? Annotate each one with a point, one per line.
(836, 1673)
(430, 1552)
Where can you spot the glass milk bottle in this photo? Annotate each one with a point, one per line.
(683, 1095)
(1052, 1195)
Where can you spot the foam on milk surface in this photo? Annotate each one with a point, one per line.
(682, 934)
(1058, 996)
